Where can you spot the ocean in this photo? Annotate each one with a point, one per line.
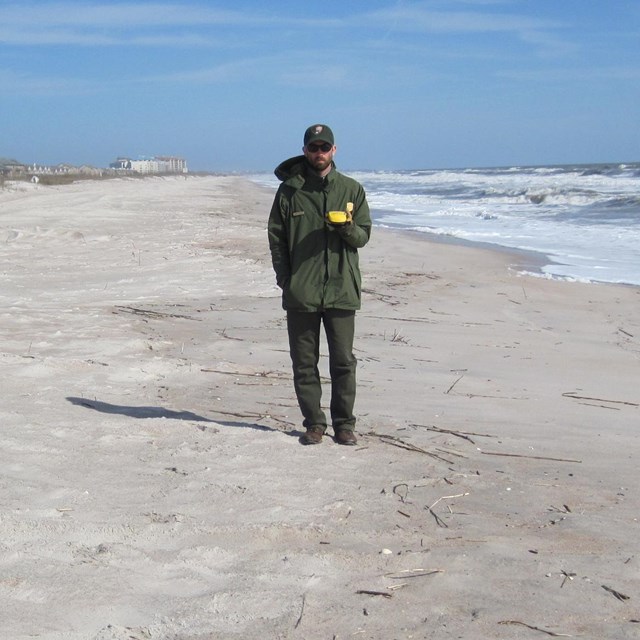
(584, 220)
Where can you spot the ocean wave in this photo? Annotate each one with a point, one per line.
(624, 202)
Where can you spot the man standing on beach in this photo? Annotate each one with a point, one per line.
(315, 258)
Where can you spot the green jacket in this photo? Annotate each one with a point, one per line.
(316, 264)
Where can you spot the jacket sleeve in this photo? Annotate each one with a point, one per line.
(278, 241)
(358, 232)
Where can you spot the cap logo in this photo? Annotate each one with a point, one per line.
(317, 130)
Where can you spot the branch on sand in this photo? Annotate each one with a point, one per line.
(519, 455)
(465, 435)
(616, 594)
(260, 374)
(574, 396)
(152, 314)
(397, 442)
(533, 628)
(439, 521)
(368, 592)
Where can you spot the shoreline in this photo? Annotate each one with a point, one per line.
(525, 261)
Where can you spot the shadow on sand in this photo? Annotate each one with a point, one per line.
(162, 412)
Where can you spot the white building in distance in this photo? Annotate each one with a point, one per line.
(159, 164)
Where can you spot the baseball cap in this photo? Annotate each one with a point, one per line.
(318, 132)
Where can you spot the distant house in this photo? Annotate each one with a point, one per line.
(87, 170)
(172, 164)
(121, 164)
(64, 169)
(149, 166)
(12, 169)
(36, 169)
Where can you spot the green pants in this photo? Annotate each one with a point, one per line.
(304, 347)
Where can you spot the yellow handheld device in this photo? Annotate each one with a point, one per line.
(337, 217)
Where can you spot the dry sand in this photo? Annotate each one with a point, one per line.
(153, 485)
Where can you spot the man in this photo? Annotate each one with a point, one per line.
(316, 265)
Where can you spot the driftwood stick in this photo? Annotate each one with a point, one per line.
(530, 626)
(565, 509)
(260, 374)
(401, 495)
(620, 596)
(244, 414)
(482, 395)
(223, 333)
(453, 385)
(458, 434)
(286, 423)
(412, 573)
(458, 495)
(453, 432)
(153, 314)
(573, 396)
(258, 414)
(439, 521)
(451, 453)
(397, 442)
(519, 455)
(600, 406)
(367, 592)
(304, 598)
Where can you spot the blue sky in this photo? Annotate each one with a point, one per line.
(405, 84)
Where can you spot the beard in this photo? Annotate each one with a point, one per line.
(320, 163)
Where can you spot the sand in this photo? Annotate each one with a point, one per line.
(153, 485)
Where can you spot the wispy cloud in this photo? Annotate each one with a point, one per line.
(16, 84)
(214, 74)
(550, 45)
(463, 18)
(178, 24)
(565, 76)
(64, 36)
(117, 16)
(274, 69)
(418, 17)
(96, 24)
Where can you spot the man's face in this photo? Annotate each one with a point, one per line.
(319, 155)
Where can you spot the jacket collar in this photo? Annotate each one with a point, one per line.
(295, 172)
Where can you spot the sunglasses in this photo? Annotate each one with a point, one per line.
(325, 147)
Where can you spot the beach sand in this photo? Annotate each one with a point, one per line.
(153, 485)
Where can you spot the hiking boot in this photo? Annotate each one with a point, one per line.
(313, 435)
(346, 436)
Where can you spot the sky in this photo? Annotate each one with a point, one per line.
(231, 85)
